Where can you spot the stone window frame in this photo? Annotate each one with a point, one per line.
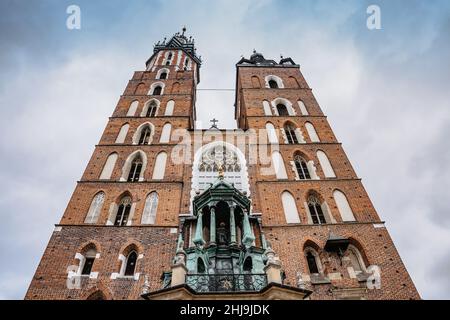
(154, 85)
(161, 71)
(127, 165)
(275, 78)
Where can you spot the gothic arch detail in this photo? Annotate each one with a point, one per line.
(128, 163)
(205, 169)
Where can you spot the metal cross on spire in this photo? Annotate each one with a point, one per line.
(214, 121)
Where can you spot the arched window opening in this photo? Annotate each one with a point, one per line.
(273, 84)
(356, 259)
(271, 133)
(312, 132)
(157, 91)
(248, 265)
(123, 212)
(273, 81)
(88, 262)
(122, 133)
(267, 109)
(169, 108)
(140, 89)
(291, 135)
(302, 107)
(200, 266)
(209, 167)
(151, 111)
(109, 166)
(131, 264)
(160, 166)
(326, 165)
(343, 206)
(95, 208)
(312, 263)
(163, 76)
(301, 167)
(132, 109)
(282, 110)
(169, 59)
(278, 164)
(135, 170)
(289, 208)
(315, 209)
(165, 134)
(150, 209)
(145, 136)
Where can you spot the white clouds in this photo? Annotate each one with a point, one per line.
(384, 94)
(53, 121)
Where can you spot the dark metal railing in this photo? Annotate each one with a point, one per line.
(226, 282)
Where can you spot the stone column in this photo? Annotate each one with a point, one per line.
(212, 228)
(248, 232)
(232, 225)
(198, 239)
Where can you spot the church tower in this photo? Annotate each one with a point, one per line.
(272, 210)
(120, 227)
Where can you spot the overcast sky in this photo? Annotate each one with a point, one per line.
(385, 92)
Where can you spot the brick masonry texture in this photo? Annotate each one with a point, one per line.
(157, 242)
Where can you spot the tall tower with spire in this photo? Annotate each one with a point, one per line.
(120, 228)
(272, 210)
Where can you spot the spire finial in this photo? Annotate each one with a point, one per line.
(254, 51)
(214, 121)
(184, 30)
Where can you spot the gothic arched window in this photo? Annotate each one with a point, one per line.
(282, 110)
(132, 109)
(291, 135)
(209, 167)
(109, 166)
(316, 210)
(88, 262)
(169, 59)
(95, 208)
(325, 164)
(123, 211)
(302, 168)
(135, 170)
(200, 266)
(289, 207)
(157, 91)
(273, 84)
(160, 166)
(356, 259)
(151, 111)
(313, 261)
(145, 135)
(131, 264)
(150, 209)
(163, 76)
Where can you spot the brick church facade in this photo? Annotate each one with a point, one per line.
(272, 210)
